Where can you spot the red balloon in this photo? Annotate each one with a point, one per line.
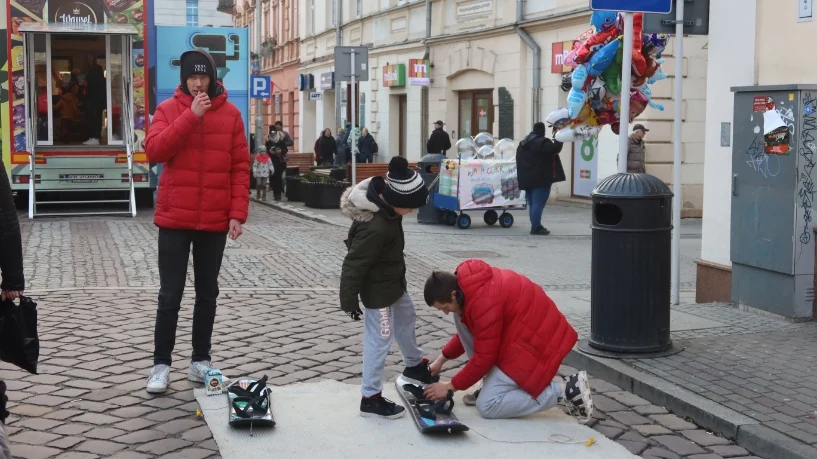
(596, 42)
(615, 127)
(639, 63)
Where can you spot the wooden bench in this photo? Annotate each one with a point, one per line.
(368, 170)
(303, 161)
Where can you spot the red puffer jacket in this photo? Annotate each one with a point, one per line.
(516, 327)
(206, 176)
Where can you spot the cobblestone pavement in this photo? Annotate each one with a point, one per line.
(89, 400)
(97, 304)
(279, 250)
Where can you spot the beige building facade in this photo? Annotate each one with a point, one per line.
(481, 79)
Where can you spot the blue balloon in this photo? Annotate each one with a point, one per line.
(602, 58)
(603, 20)
(579, 76)
(575, 101)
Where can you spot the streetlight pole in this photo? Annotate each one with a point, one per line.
(626, 84)
(676, 141)
(259, 119)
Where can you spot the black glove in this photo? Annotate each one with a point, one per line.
(355, 315)
(3, 400)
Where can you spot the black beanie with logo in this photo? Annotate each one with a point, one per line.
(197, 62)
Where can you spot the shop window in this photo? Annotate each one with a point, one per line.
(192, 9)
(476, 113)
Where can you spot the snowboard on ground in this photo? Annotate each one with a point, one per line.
(250, 403)
(430, 416)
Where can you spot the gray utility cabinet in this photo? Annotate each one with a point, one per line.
(772, 241)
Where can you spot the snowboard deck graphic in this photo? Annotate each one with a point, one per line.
(442, 422)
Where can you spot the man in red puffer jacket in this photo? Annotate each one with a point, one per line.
(514, 337)
(203, 196)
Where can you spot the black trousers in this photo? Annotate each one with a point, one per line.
(174, 253)
(276, 178)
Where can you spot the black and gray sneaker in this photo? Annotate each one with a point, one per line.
(379, 406)
(577, 393)
(420, 374)
(541, 231)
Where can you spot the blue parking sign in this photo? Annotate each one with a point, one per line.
(260, 86)
(633, 6)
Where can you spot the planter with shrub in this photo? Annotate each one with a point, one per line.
(321, 192)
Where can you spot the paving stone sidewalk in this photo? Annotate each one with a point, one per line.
(89, 400)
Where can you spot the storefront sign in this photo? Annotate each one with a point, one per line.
(585, 166)
(558, 57)
(315, 96)
(328, 80)
(419, 72)
(74, 12)
(482, 183)
(394, 76)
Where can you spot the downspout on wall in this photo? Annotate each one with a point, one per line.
(424, 100)
(537, 60)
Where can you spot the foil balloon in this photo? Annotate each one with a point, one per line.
(595, 42)
(567, 82)
(615, 127)
(558, 118)
(570, 58)
(639, 62)
(648, 94)
(638, 103)
(575, 101)
(579, 77)
(603, 20)
(652, 67)
(659, 75)
(612, 75)
(654, 44)
(577, 133)
(602, 58)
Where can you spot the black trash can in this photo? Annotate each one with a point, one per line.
(631, 264)
(428, 213)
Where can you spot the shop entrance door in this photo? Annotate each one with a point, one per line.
(80, 139)
(476, 112)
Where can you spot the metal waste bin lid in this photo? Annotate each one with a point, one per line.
(432, 159)
(631, 186)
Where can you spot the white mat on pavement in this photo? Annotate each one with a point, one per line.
(320, 420)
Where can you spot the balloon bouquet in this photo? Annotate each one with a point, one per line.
(594, 86)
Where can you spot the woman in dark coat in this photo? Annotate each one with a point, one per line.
(367, 147)
(327, 147)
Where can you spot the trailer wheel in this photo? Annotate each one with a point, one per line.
(450, 218)
(463, 221)
(491, 217)
(506, 220)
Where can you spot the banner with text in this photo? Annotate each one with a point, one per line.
(482, 183)
(585, 166)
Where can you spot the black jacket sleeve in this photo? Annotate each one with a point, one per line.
(11, 245)
(365, 244)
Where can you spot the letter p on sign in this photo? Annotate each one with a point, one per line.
(260, 87)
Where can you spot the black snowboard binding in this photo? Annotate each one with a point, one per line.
(250, 403)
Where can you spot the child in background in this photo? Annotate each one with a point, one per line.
(261, 169)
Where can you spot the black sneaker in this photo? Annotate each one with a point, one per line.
(379, 406)
(541, 231)
(578, 398)
(420, 374)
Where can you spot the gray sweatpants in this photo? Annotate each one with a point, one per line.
(500, 397)
(380, 327)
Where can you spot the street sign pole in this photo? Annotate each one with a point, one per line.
(626, 84)
(259, 120)
(676, 140)
(352, 103)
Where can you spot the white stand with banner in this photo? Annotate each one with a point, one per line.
(585, 166)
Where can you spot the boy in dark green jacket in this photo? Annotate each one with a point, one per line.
(375, 270)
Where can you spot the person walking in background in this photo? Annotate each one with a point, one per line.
(539, 167)
(367, 146)
(261, 170)
(278, 143)
(637, 151)
(12, 277)
(439, 141)
(326, 148)
(341, 158)
(203, 197)
(95, 99)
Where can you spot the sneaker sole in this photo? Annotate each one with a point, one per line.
(402, 379)
(375, 415)
(584, 388)
(196, 378)
(155, 390)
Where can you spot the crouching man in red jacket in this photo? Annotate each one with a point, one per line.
(514, 337)
(203, 196)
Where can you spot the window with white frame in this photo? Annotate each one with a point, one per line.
(334, 13)
(312, 17)
(192, 10)
(359, 7)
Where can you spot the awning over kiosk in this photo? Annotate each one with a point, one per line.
(75, 28)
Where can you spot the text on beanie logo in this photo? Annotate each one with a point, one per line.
(200, 68)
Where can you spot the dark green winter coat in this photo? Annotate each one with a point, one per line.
(374, 267)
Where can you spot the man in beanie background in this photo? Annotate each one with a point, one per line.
(539, 167)
(203, 197)
(375, 270)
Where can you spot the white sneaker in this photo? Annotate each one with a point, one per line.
(578, 396)
(159, 379)
(199, 369)
(91, 142)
